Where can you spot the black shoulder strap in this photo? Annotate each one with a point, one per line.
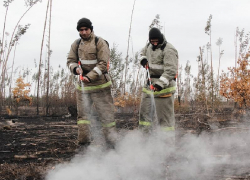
(78, 43)
(164, 45)
(96, 40)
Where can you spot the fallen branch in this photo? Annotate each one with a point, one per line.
(234, 128)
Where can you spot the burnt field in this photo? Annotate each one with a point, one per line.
(32, 146)
(29, 146)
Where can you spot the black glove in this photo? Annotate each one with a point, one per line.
(74, 71)
(144, 62)
(159, 88)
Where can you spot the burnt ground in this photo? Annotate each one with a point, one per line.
(30, 146)
(35, 144)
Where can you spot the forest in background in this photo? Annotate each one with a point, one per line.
(51, 90)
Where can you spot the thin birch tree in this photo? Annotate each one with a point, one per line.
(208, 31)
(221, 52)
(48, 67)
(6, 47)
(40, 62)
(127, 56)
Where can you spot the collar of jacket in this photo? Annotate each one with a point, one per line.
(162, 44)
(91, 36)
(159, 45)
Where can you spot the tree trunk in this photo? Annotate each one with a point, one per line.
(40, 62)
(212, 74)
(48, 69)
(12, 74)
(126, 63)
(203, 80)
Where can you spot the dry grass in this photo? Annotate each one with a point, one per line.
(27, 171)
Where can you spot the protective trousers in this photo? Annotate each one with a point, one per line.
(104, 107)
(157, 112)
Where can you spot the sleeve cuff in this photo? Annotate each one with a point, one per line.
(74, 71)
(88, 78)
(158, 87)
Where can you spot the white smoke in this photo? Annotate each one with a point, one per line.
(140, 157)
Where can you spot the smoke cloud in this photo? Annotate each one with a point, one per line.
(216, 155)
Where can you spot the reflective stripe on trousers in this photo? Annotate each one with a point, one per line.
(109, 125)
(94, 87)
(83, 122)
(145, 123)
(112, 124)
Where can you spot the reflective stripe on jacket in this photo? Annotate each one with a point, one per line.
(90, 88)
(88, 61)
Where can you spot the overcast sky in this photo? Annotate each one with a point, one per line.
(183, 20)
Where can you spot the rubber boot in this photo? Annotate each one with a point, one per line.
(84, 136)
(111, 136)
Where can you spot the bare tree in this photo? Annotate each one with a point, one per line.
(48, 67)
(239, 35)
(116, 68)
(221, 52)
(200, 84)
(126, 59)
(235, 45)
(11, 75)
(208, 31)
(187, 82)
(156, 22)
(179, 85)
(40, 62)
(6, 47)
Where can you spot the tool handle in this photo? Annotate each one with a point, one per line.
(80, 75)
(149, 79)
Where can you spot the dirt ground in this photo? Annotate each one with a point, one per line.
(30, 146)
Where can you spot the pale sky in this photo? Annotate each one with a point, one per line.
(183, 20)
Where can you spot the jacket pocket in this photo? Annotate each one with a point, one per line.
(92, 55)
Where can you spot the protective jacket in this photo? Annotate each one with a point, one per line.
(94, 59)
(163, 65)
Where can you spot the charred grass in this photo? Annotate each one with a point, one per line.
(31, 146)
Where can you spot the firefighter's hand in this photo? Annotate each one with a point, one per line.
(144, 63)
(85, 79)
(157, 87)
(79, 70)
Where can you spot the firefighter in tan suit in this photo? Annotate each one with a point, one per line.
(93, 90)
(161, 59)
